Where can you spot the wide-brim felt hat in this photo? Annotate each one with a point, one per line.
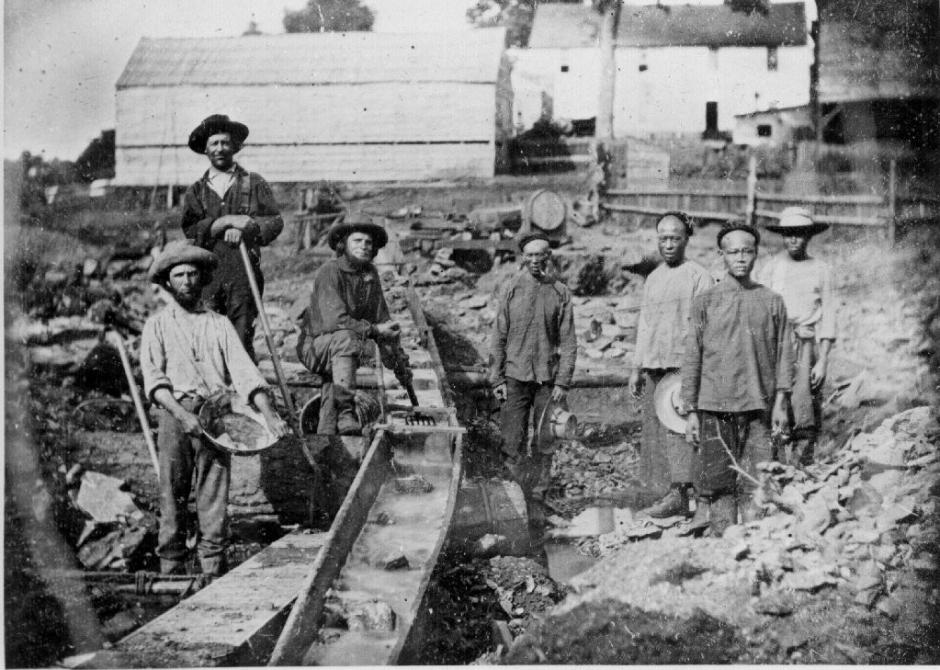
(667, 403)
(176, 253)
(797, 220)
(217, 123)
(358, 223)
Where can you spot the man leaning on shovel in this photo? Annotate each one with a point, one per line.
(226, 207)
(187, 354)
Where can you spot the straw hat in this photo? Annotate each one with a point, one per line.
(797, 220)
(667, 403)
(176, 253)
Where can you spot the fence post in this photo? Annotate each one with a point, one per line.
(892, 199)
(751, 190)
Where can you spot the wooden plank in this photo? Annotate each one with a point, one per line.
(302, 624)
(233, 621)
(659, 211)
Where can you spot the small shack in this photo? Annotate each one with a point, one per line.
(329, 106)
(773, 127)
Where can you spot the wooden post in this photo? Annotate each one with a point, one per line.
(892, 199)
(610, 15)
(751, 190)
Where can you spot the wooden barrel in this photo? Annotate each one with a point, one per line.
(545, 210)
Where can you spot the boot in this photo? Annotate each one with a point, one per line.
(674, 503)
(723, 512)
(344, 395)
(701, 520)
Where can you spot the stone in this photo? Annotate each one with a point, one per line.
(102, 498)
(810, 580)
(741, 551)
(890, 607)
(373, 616)
(775, 604)
(414, 484)
(490, 545)
(396, 562)
(474, 302)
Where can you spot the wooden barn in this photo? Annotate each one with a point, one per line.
(337, 106)
(878, 72)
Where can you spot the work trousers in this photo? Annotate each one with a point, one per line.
(805, 406)
(229, 294)
(530, 465)
(317, 355)
(665, 456)
(187, 462)
(745, 436)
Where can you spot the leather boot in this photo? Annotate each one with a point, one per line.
(723, 513)
(700, 520)
(674, 503)
(344, 395)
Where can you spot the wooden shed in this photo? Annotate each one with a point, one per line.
(878, 71)
(338, 106)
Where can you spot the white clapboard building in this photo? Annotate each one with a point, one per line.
(681, 69)
(338, 106)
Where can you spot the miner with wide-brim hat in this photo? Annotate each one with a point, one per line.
(226, 207)
(188, 353)
(347, 308)
(797, 220)
(357, 223)
(805, 282)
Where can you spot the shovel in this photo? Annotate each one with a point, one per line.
(269, 339)
(138, 402)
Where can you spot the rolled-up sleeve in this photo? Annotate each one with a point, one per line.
(827, 322)
(692, 363)
(567, 345)
(785, 353)
(243, 374)
(153, 359)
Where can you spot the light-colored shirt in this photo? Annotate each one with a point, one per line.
(533, 339)
(739, 352)
(195, 354)
(806, 287)
(220, 181)
(664, 314)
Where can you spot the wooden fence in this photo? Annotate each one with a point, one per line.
(847, 210)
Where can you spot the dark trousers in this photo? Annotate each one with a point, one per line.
(665, 456)
(744, 435)
(317, 356)
(231, 296)
(805, 406)
(187, 462)
(523, 406)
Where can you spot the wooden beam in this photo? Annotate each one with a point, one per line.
(233, 621)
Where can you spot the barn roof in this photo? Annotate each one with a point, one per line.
(569, 26)
(318, 58)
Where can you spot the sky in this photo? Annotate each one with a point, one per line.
(63, 57)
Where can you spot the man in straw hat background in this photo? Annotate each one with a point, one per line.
(187, 353)
(347, 308)
(806, 286)
(665, 457)
(532, 358)
(226, 206)
(737, 372)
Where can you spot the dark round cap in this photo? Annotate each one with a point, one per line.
(737, 225)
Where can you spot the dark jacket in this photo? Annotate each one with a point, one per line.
(249, 194)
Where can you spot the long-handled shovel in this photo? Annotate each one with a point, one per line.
(269, 339)
(138, 402)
